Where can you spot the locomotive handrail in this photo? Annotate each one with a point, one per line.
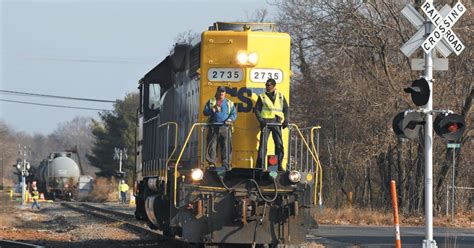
(175, 183)
(312, 152)
(172, 152)
(320, 169)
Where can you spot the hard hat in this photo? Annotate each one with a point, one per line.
(123, 181)
(220, 89)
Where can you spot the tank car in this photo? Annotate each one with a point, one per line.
(58, 175)
(184, 196)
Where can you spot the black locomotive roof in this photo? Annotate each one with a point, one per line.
(160, 74)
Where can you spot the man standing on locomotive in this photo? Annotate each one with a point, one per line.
(271, 110)
(222, 114)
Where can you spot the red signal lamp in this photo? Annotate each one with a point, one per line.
(449, 126)
(272, 160)
(453, 128)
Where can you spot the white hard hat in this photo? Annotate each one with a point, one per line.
(123, 181)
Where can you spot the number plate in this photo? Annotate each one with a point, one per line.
(262, 75)
(225, 74)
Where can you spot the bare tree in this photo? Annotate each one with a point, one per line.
(349, 76)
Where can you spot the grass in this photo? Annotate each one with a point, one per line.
(354, 216)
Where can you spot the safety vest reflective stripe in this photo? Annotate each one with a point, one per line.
(35, 195)
(269, 109)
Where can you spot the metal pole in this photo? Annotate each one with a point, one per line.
(429, 242)
(453, 186)
(447, 200)
(120, 159)
(3, 175)
(23, 179)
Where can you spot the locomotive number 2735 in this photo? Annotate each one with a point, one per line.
(225, 74)
(262, 75)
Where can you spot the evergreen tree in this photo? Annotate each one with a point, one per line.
(116, 129)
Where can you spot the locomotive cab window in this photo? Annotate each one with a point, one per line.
(154, 96)
(152, 100)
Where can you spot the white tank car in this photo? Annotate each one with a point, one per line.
(58, 176)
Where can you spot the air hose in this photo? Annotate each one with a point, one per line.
(258, 188)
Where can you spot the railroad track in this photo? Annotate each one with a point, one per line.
(127, 221)
(16, 244)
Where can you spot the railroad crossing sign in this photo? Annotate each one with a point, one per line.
(445, 41)
(443, 27)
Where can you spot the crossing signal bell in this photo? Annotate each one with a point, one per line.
(408, 125)
(420, 91)
(450, 126)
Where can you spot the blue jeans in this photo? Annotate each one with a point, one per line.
(123, 196)
(35, 203)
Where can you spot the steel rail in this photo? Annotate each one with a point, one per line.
(130, 226)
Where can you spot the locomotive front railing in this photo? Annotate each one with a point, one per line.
(203, 125)
(294, 156)
(320, 169)
(298, 156)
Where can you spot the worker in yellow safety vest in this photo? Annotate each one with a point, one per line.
(271, 110)
(35, 197)
(123, 187)
(222, 114)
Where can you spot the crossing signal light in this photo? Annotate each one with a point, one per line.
(408, 126)
(420, 91)
(450, 126)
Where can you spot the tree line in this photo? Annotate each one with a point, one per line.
(348, 77)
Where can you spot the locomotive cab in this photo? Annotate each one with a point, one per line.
(177, 190)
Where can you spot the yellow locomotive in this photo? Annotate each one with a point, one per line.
(177, 191)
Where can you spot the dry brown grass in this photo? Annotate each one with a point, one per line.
(104, 190)
(354, 216)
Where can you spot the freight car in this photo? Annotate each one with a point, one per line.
(58, 176)
(177, 190)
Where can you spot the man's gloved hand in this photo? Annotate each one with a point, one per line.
(284, 124)
(263, 123)
(228, 122)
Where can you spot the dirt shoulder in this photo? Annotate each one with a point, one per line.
(352, 216)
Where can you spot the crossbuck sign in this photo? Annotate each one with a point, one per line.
(443, 27)
(442, 38)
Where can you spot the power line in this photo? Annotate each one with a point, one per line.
(52, 105)
(54, 96)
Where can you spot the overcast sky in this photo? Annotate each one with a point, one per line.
(92, 49)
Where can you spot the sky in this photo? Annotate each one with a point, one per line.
(95, 49)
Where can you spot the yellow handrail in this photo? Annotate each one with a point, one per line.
(320, 169)
(315, 157)
(175, 183)
(172, 153)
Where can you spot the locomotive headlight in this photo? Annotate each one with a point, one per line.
(253, 58)
(197, 174)
(242, 58)
(294, 176)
